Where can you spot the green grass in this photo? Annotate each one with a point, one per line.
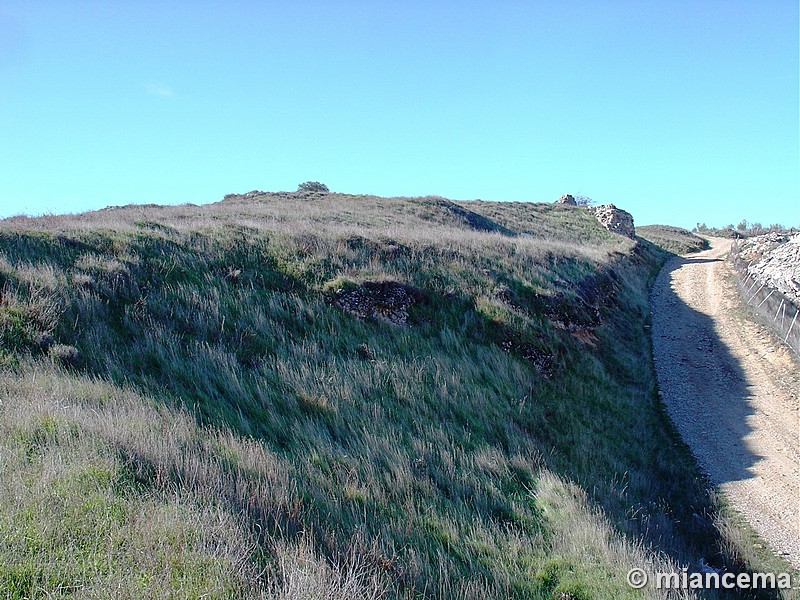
(673, 239)
(74, 518)
(187, 411)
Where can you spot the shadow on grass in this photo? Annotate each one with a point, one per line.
(254, 349)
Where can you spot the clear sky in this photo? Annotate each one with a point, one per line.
(679, 111)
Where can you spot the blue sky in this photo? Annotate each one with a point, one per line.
(677, 111)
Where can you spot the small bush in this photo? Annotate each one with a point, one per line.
(27, 323)
(312, 186)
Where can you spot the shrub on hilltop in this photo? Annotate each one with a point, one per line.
(312, 186)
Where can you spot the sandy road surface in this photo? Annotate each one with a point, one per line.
(732, 391)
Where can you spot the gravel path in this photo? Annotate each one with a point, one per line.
(732, 391)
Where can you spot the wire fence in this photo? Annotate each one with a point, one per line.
(776, 308)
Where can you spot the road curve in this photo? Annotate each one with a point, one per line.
(731, 388)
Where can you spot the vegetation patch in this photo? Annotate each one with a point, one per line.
(674, 240)
(229, 404)
(385, 300)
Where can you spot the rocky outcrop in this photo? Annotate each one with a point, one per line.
(774, 260)
(385, 300)
(567, 199)
(614, 219)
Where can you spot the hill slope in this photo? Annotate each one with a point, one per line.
(289, 393)
(673, 239)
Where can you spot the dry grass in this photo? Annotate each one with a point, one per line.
(673, 239)
(105, 491)
(185, 412)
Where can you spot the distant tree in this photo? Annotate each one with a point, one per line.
(583, 201)
(742, 226)
(701, 228)
(312, 186)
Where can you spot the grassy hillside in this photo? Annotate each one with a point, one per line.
(673, 239)
(316, 395)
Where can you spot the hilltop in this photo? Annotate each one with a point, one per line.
(308, 394)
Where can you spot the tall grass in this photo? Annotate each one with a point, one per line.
(186, 373)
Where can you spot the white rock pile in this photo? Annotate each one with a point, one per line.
(774, 260)
(614, 219)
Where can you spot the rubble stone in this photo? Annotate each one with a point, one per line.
(567, 199)
(774, 261)
(385, 300)
(614, 219)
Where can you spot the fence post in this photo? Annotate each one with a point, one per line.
(791, 326)
(765, 299)
(756, 294)
(755, 281)
(779, 310)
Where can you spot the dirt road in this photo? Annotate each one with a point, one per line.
(732, 391)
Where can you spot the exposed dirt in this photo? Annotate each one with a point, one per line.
(385, 300)
(731, 388)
